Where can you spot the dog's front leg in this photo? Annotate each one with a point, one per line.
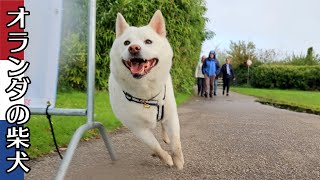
(146, 136)
(164, 134)
(172, 126)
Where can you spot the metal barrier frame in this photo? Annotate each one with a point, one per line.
(89, 112)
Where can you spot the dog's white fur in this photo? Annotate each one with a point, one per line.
(139, 119)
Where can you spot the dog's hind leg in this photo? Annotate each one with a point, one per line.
(164, 134)
(146, 136)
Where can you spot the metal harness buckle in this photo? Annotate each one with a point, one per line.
(145, 105)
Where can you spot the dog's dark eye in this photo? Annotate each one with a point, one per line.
(148, 41)
(126, 43)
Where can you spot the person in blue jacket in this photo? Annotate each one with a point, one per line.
(209, 71)
(217, 75)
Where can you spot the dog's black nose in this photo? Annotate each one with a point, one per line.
(134, 49)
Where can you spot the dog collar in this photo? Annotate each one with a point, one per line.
(147, 103)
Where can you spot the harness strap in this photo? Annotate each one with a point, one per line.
(148, 103)
(160, 113)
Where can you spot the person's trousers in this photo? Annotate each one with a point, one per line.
(226, 84)
(209, 84)
(215, 85)
(201, 85)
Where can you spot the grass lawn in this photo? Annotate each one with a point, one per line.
(64, 127)
(305, 101)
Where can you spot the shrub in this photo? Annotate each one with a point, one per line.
(241, 72)
(185, 23)
(286, 77)
(72, 65)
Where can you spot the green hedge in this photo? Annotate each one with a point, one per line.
(286, 77)
(185, 23)
(241, 72)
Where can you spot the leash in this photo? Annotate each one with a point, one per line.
(147, 103)
(52, 131)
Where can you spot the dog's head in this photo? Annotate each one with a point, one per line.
(141, 52)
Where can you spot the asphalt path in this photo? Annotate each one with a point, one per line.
(222, 138)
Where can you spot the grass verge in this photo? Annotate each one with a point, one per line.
(64, 126)
(301, 101)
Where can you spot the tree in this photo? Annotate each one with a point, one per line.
(267, 55)
(310, 58)
(241, 52)
(301, 60)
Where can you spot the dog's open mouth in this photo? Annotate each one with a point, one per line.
(140, 67)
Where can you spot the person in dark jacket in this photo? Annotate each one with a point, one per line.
(227, 75)
(209, 71)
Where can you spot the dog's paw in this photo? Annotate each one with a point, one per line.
(178, 161)
(166, 158)
(169, 161)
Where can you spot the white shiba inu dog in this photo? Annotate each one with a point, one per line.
(140, 87)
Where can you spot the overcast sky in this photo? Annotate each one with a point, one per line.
(286, 25)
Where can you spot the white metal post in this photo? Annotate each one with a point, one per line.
(90, 100)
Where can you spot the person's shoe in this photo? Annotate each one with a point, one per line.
(227, 94)
(223, 93)
(205, 95)
(215, 94)
(211, 95)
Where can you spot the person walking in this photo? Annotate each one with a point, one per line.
(217, 75)
(200, 77)
(227, 75)
(209, 71)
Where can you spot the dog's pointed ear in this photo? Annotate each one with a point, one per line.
(121, 25)
(157, 23)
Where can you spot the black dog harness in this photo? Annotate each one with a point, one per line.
(148, 103)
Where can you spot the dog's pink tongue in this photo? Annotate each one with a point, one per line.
(137, 68)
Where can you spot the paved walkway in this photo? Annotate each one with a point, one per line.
(222, 138)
